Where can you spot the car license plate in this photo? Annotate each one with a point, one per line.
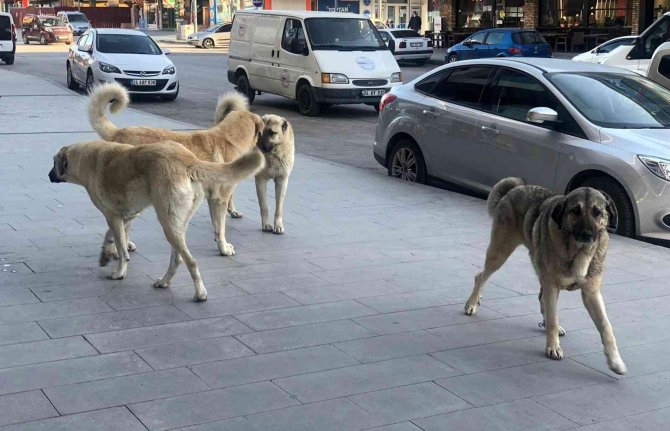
(368, 93)
(140, 82)
(416, 45)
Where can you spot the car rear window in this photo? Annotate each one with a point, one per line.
(405, 33)
(5, 28)
(528, 38)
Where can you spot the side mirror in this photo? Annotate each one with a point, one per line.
(166, 51)
(541, 115)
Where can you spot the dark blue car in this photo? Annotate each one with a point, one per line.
(500, 42)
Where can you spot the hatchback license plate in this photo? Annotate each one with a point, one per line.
(368, 93)
(415, 45)
(140, 82)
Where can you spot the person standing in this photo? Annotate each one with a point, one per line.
(415, 22)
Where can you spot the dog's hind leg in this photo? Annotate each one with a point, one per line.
(281, 184)
(499, 250)
(175, 260)
(117, 227)
(217, 212)
(231, 208)
(127, 224)
(593, 301)
(542, 324)
(108, 249)
(261, 185)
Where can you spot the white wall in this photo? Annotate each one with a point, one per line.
(288, 4)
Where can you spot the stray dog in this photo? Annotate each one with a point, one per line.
(236, 132)
(279, 163)
(567, 238)
(122, 180)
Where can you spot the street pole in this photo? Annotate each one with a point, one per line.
(194, 15)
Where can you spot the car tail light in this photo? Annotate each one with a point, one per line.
(430, 43)
(386, 100)
(514, 51)
(402, 44)
(13, 33)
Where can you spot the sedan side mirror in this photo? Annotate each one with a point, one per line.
(166, 51)
(542, 114)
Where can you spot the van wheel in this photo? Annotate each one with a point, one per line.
(25, 40)
(43, 40)
(306, 103)
(71, 83)
(208, 43)
(624, 221)
(244, 87)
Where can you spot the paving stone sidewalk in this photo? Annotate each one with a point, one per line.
(351, 320)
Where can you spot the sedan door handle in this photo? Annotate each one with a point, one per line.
(490, 130)
(430, 113)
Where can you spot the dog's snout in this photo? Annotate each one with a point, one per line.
(53, 177)
(264, 145)
(586, 236)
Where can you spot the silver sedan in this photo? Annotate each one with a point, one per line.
(557, 123)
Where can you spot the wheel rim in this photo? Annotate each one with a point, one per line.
(305, 100)
(452, 58)
(613, 223)
(208, 43)
(404, 165)
(89, 82)
(43, 40)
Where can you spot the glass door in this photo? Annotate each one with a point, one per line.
(403, 19)
(151, 14)
(390, 16)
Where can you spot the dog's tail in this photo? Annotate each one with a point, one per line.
(229, 102)
(229, 173)
(112, 94)
(500, 190)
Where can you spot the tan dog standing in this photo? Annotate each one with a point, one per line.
(122, 180)
(236, 132)
(567, 238)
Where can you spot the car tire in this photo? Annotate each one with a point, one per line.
(208, 43)
(306, 103)
(244, 87)
(406, 162)
(452, 58)
(71, 83)
(616, 194)
(43, 40)
(422, 62)
(171, 97)
(90, 81)
(9, 59)
(25, 40)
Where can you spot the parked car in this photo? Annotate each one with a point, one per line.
(77, 21)
(408, 45)
(45, 29)
(128, 57)
(311, 57)
(7, 38)
(503, 42)
(216, 35)
(597, 53)
(560, 124)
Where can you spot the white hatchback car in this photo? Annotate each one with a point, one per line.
(214, 36)
(594, 55)
(408, 45)
(128, 57)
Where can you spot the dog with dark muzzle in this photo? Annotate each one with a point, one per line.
(567, 238)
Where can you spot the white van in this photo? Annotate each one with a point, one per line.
(313, 57)
(7, 38)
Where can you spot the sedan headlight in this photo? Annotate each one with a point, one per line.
(658, 167)
(108, 68)
(396, 77)
(334, 78)
(169, 70)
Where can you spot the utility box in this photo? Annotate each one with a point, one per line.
(184, 30)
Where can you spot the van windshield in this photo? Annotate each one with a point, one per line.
(76, 17)
(343, 34)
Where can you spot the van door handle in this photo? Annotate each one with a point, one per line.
(277, 53)
(273, 53)
(490, 130)
(429, 113)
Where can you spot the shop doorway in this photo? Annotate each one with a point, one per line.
(151, 14)
(397, 14)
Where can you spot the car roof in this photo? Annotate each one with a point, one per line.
(119, 31)
(302, 14)
(547, 65)
(71, 12)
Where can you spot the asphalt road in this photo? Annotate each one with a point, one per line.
(341, 134)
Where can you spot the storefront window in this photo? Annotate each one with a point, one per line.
(585, 13)
(490, 13)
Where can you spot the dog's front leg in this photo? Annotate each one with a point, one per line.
(550, 302)
(281, 183)
(593, 301)
(261, 183)
(217, 211)
(117, 227)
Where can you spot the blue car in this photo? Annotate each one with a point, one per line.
(500, 42)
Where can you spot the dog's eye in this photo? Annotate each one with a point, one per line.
(272, 132)
(576, 211)
(596, 212)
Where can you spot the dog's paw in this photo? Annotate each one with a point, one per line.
(617, 365)
(202, 298)
(131, 246)
(235, 214)
(117, 275)
(278, 229)
(160, 284)
(105, 257)
(267, 227)
(226, 249)
(561, 331)
(554, 352)
(472, 305)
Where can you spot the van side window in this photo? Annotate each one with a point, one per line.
(293, 40)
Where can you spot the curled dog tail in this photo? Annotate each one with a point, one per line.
(112, 94)
(229, 102)
(229, 173)
(499, 191)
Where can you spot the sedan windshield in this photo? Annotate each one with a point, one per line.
(127, 44)
(343, 34)
(616, 101)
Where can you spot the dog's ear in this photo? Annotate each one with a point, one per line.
(61, 163)
(284, 126)
(558, 211)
